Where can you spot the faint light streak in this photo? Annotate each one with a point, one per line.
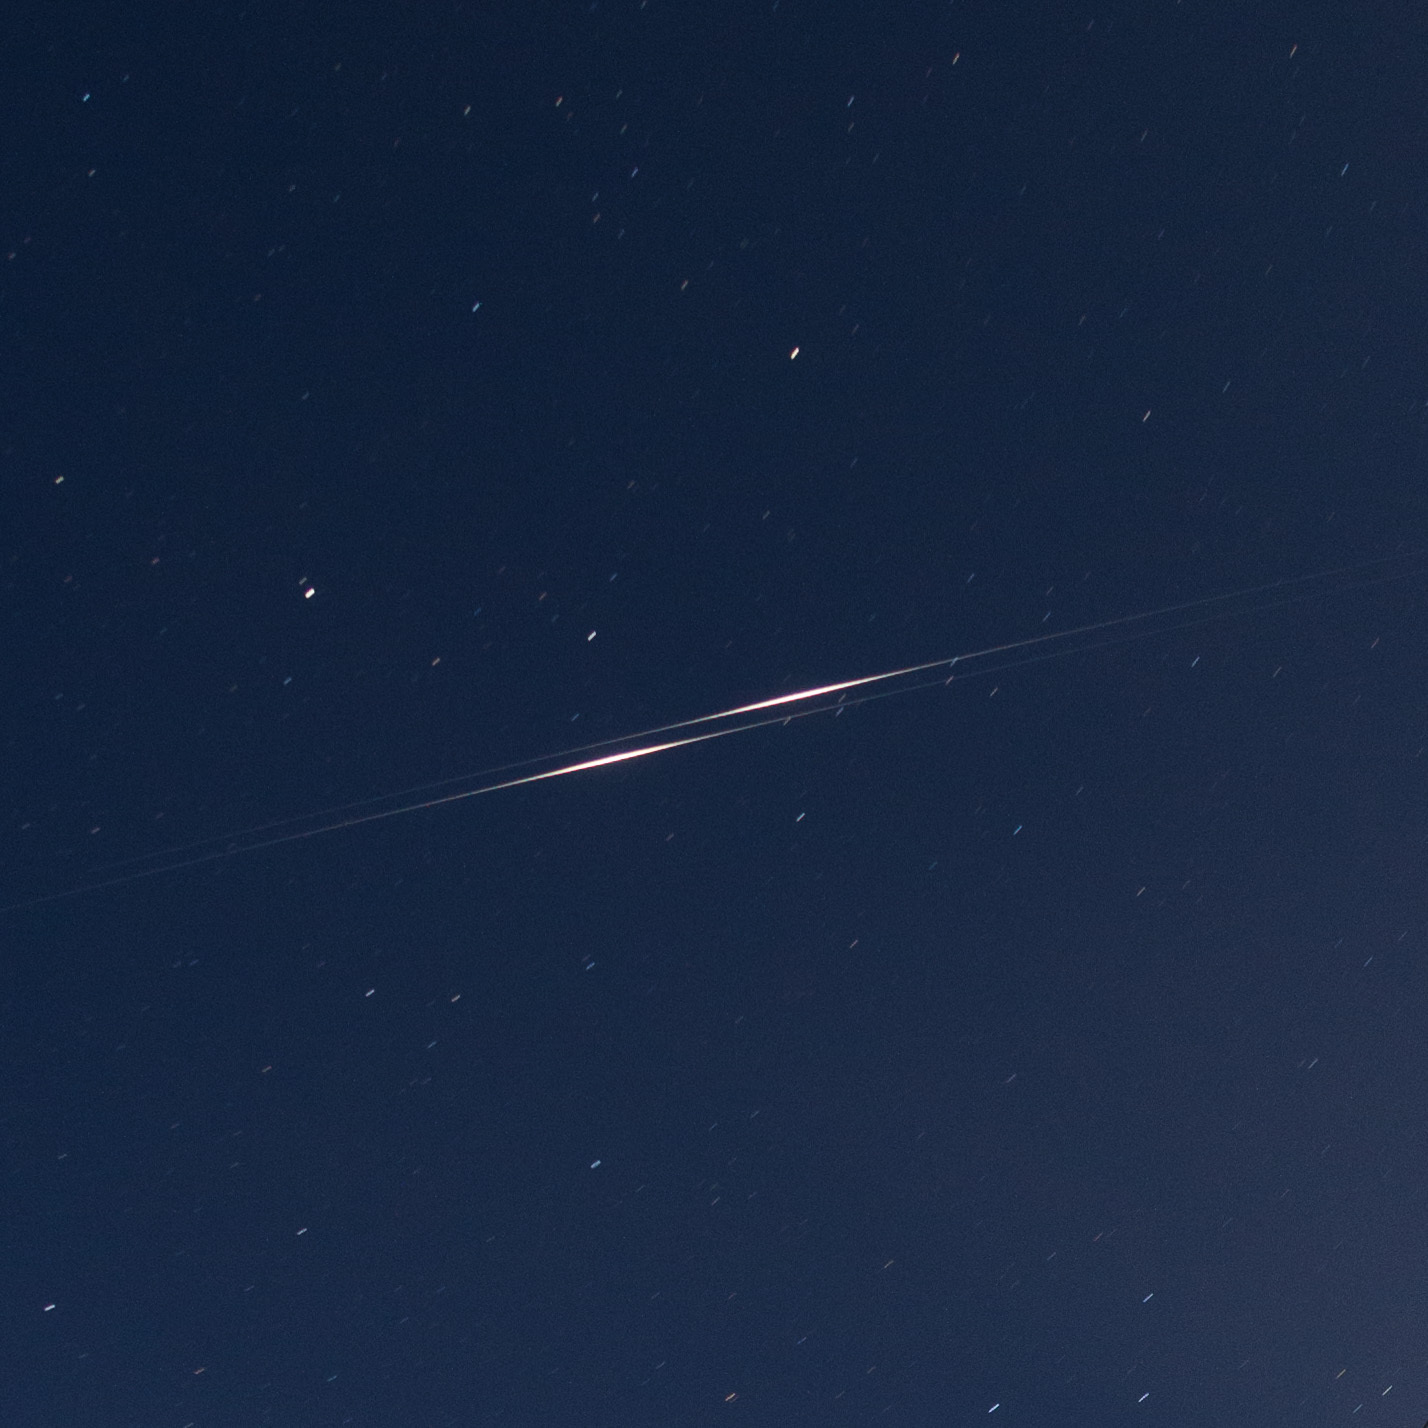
(744, 718)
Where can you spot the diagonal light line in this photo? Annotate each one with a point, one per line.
(797, 704)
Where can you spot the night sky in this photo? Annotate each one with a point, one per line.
(391, 394)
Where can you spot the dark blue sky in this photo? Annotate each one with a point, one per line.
(392, 394)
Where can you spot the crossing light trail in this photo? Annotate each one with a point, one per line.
(742, 718)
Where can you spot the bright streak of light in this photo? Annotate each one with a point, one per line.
(778, 709)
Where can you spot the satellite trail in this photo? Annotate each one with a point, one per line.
(777, 709)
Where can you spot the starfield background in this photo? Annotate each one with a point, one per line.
(388, 393)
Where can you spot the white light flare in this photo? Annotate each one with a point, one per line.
(741, 718)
